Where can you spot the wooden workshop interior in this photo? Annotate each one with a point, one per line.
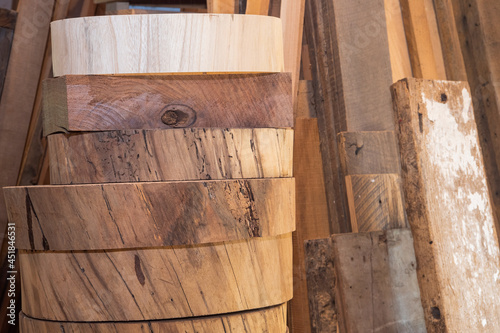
(281, 166)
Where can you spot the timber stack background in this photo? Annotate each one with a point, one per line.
(355, 143)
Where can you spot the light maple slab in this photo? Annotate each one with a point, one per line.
(448, 206)
(163, 43)
(271, 319)
(98, 103)
(157, 283)
(130, 215)
(175, 154)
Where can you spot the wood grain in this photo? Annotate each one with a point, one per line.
(177, 154)
(156, 43)
(368, 153)
(312, 213)
(257, 7)
(398, 47)
(130, 215)
(271, 319)
(223, 6)
(448, 206)
(375, 202)
(98, 103)
(157, 283)
(377, 282)
(7, 25)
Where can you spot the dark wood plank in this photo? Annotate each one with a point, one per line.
(377, 282)
(368, 153)
(448, 206)
(131, 215)
(7, 23)
(94, 103)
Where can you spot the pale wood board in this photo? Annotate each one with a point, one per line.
(448, 206)
(157, 283)
(398, 47)
(312, 213)
(96, 103)
(271, 319)
(130, 215)
(257, 7)
(175, 154)
(375, 202)
(377, 282)
(158, 43)
(223, 6)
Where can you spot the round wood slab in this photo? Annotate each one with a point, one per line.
(165, 155)
(135, 215)
(157, 283)
(271, 319)
(166, 43)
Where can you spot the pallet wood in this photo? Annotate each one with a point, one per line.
(375, 202)
(478, 30)
(98, 103)
(368, 153)
(377, 282)
(423, 39)
(321, 285)
(312, 213)
(117, 45)
(130, 215)
(157, 283)
(272, 319)
(150, 155)
(448, 206)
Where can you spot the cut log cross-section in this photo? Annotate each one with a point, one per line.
(448, 206)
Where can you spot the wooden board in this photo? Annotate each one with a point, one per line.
(257, 7)
(129, 215)
(321, 285)
(375, 202)
(223, 6)
(398, 47)
(177, 154)
(98, 103)
(158, 43)
(448, 206)
(7, 24)
(312, 213)
(368, 153)
(377, 282)
(157, 283)
(272, 319)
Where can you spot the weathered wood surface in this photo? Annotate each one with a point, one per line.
(377, 282)
(7, 25)
(157, 283)
(271, 319)
(312, 213)
(375, 202)
(321, 285)
(398, 47)
(177, 154)
(479, 33)
(130, 215)
(368, 153)
(98, 103)
(448, 206)
(159, 43)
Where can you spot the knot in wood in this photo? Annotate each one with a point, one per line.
(178, 115)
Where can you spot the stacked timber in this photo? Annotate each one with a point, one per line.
(172, 199)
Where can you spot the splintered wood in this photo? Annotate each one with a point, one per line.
(448, 206)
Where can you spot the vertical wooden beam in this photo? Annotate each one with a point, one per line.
(448, 206)
(398, 47)
(257, 7)
(7, 25)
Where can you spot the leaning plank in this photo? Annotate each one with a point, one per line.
(377, 282)
(128, 215)
(448, 206)
(157, 283)
(159, 43)
(177, 154)
(97, 103)
(272, 319)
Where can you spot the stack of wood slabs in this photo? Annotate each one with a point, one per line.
(172, 202)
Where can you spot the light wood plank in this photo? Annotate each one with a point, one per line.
(157, 283)
(398, 47)
(99, 103)
(121, 44)
(272, 319)
(177, 154)
(223, 6)
(257, 7)
(130, 215)
(448, 206)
